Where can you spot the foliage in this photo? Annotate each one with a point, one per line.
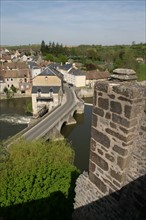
(62, 59)
(38, 174)
(28, 107)
(3, 154)
(49, 57)
(141, 71)
(90, 66)
(13, 88)
(110, 57)
(9, 93)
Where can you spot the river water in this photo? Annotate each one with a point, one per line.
(13, 119)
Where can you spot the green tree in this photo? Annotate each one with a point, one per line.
(62, 58)
(13, 88)
(9, 93)
(49, 57)
(38, 176)
(43, 47)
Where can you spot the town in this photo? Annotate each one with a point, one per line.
(73, 110)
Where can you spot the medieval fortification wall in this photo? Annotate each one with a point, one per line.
(115, 187)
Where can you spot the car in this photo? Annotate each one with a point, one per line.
(70, 84)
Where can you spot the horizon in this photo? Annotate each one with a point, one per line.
(106, 23)
(39, 44)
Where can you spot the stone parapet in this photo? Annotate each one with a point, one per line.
(117, 162)
(117, 113)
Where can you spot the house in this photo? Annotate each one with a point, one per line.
(73, 75)
(13, 66)
(2, 84)
(34, 69)
(20, 79)
(76, 77)
(94, 75)
(5, 58)
(47, 91)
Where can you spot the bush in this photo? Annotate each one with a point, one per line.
(38, 175)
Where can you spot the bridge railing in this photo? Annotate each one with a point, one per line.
(19, 134)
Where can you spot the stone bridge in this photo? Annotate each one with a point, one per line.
(51, 124)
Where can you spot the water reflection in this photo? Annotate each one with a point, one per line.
(79, 137)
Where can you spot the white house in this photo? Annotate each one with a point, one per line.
(73, 75)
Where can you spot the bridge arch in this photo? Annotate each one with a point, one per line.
(63, 125)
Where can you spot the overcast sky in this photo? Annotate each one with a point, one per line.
(72, 22)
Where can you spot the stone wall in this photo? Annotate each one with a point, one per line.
(116, 185)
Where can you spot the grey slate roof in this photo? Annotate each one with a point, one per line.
(47, 72)
(32, 64)
(76, 72)
(66, 66)
(45, 89)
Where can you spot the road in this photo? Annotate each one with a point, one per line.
(47, 123)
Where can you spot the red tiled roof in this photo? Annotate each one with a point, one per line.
(14, 73)
(94, 74)
(14, 65)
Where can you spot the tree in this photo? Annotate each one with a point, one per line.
(38, 176)
(43, 47)
(49, 57)
(13, 88)
(62, 59)
(9, 93)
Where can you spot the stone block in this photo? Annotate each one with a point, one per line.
(124, 71)
(130, 91)
(113, 125)
(102, 86)
(94, 120)
(94, 98)
(100, 94)
(91, 166)
(120, 120)
(117, 176)
(103, 103)
(100, 151)
(143, 128)
(108, 115)
(120, 150)
(116, 134)
(99, 161)
(131, 112)
(98, 111)
(115, 107)
(98, 182)
(112, 96)
(125, 99)
(110, 157)
(103, 139)
(122, 162)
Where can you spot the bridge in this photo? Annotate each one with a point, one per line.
(50, 125)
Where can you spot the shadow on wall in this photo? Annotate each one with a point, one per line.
(55, 207)
(129, 203)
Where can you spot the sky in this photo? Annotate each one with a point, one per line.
(72, 22)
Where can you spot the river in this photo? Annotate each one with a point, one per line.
(13, 119)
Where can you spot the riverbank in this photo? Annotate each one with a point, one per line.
(17, 95)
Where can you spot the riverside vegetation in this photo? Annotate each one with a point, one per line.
(37, 180)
